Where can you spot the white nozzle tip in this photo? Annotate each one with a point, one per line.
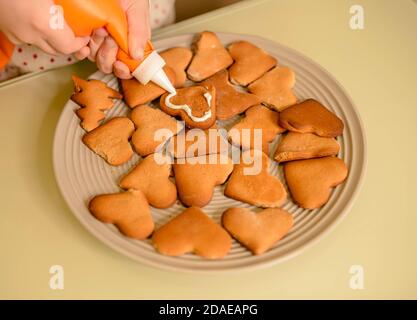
(161, 79)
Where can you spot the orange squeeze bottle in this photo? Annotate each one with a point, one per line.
(84, 16)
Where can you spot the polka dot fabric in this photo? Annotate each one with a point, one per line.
(27, 58)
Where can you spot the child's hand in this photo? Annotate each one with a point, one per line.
(28, 22)
(103, 49)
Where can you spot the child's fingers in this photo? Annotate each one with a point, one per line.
(64, 41)
(106, 55)
(97, 39)
(121, 70)
(137, 12)
(45, 46)
(83, 53)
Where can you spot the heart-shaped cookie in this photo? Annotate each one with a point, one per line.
(192, 232)
(128, 211)
(229, 101)
(297, 146)
(178, 60)
(136, 93)
(153, 129)
(311, 181)
(251, 62)
(310, 116)
(257, 231)
(250, 182)
(151, 176)
(111, 140)
(196, 142)
(195, 105)
(94, 97)
(257, 118)
(275, 88)
(210, 57)
(196, 177)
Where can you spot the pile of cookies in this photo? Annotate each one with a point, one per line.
(241, 86)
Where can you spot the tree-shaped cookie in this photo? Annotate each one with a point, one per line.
(94, 97)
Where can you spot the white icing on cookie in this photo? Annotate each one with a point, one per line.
(207, 115)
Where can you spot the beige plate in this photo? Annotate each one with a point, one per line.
(81, 174)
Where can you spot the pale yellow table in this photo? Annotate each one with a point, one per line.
(378, 67)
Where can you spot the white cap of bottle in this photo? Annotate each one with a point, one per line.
(151, 69)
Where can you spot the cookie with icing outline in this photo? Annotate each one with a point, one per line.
(194, 97)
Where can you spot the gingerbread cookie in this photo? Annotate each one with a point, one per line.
(111, 140)
(259, 120)
(250, 182)
(311, 181)
(192, 232)
(210, 57)
(94, 97)
(195, 105)
(136, 94)
(178, 60)
(310, 116)
(151, 176)
(153, 129)
(128, 211)
(257, 231)
(197, 142)
(197, 177)
(229, 101)
(297, 146)
(275, 88)
(251, 62)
